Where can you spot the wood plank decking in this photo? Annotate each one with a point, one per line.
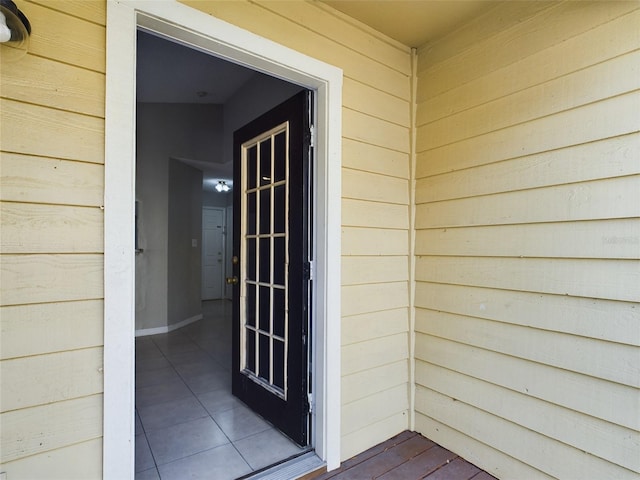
(407, 456)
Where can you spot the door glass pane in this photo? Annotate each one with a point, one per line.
(252, 167)
(264, 322)
(251, 214)
(278, 261)
(251, 305)
(265, 162)
(251, 259)
(280, 157)
(265, 211)
(265, 260)
(278, 312)
(279, 210)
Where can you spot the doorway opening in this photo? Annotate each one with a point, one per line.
(188, 418)
(202, 32)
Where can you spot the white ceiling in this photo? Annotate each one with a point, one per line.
(172, 73)
(415, 22)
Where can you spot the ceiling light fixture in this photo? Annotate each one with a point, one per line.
(14, 31)
(222, 186)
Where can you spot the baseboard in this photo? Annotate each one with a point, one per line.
(168, 328)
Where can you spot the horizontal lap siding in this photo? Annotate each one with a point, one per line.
(528, 241)
(51, 241)
(375, 202)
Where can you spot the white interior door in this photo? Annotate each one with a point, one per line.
(213, 227)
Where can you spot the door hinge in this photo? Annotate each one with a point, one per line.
(309, 270)
(312, 135)
(310, 402)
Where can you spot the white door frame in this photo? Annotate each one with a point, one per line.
(204, 32)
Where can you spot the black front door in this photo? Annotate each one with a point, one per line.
(272, 160)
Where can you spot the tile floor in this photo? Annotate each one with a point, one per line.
(188, 425)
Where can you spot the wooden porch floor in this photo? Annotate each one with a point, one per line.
(407, 456)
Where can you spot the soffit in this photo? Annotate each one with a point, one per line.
(413, 23)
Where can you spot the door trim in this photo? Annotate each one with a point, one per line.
(204, 32)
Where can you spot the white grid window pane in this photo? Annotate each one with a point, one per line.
(264, 237)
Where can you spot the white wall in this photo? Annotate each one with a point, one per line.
(152, 180)
(185, 259)
(165, 131)
(211, 198)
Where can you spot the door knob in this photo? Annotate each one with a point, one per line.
(232, 280)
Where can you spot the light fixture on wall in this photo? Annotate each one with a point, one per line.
(222, 186)
(14, 31)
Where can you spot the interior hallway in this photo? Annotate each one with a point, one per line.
(188, 424)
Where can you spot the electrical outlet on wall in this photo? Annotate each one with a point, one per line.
(194, 244)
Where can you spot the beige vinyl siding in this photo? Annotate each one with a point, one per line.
(527, 235)
(51, 240)
(528, 240)
(375, 236)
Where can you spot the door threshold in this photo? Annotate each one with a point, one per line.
(291, 469)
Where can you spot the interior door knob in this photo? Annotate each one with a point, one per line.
(232, 280)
